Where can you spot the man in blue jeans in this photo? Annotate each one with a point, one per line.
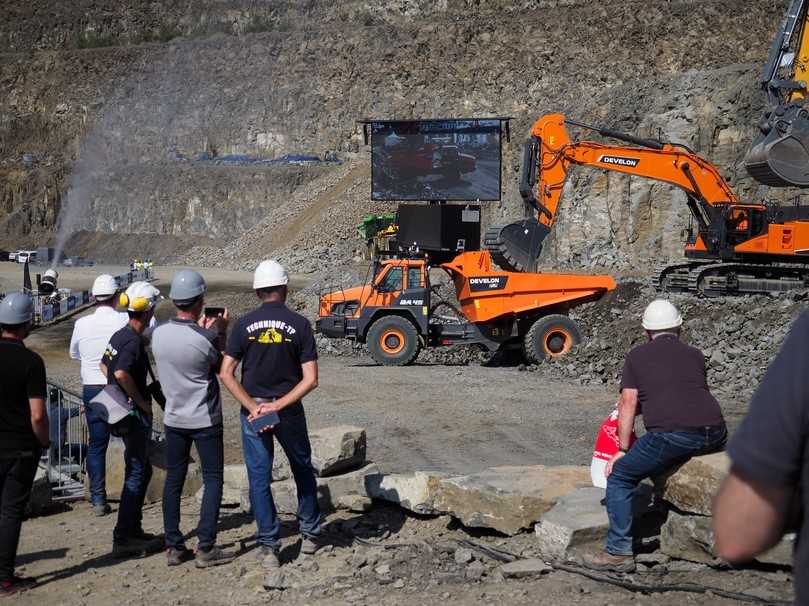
(91, 334)
(277, 351)
(188, 354)
(665, 381)
(126, 364)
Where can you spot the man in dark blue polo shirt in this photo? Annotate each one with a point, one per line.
(767, 488)
(277, 351)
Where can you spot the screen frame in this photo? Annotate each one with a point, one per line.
(501, 133)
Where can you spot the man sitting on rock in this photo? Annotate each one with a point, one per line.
(665, 381)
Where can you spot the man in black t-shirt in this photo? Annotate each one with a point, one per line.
(126, 364)
(277, 351)
(665, 381)
(23, 430)
(766, 493)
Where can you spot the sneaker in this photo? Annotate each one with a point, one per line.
(134, 548)
(102, 509)
(215, 556)
(608, 562)
(310, 545)
(175, 557)
(15, 585)
(268, 557)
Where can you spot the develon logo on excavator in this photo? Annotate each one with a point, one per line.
(619, 161)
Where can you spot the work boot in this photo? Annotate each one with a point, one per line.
(142, 535)
(215, 556)
(310, 545)
(134, 548)
(607, 562)
(268, 557)
(15, 585)
(102, 509)
(175, 556)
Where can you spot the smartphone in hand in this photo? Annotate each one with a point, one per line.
(214, 312)
(265, 420)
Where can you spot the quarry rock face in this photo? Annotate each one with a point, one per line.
(168, 107)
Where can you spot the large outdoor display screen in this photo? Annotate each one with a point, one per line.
(436, 160)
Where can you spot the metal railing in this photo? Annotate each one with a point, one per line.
(65, 460)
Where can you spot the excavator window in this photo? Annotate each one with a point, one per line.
(391, 281)
(414, 277)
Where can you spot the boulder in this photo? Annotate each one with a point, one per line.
(577, 519)
(157, 456)
(337, 449)
(330, 490)
(690, 538)
(355, 502)
(508, 499)
(416, 492)
(230, 496)
(692, 486)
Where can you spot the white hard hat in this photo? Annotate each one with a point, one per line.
(661, 315)
(140, 296)
(268, 274)
(104, 287)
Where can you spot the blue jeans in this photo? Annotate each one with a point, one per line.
(97, 448)
(211, 451)
(138, 472)
(293, 437)
(651, 455)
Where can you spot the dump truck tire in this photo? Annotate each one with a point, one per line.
(550, 337)
(393, 341)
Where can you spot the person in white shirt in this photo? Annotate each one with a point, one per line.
(91, 334)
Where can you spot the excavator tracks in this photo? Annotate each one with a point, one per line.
(729, 279)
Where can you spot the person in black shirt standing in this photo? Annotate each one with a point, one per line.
(277, 351)
(767, 488)
(23, 430)
(665, 381)
(126, 364)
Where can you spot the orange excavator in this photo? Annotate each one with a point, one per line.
(732, 247)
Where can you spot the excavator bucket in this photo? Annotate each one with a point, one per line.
(516, 247)
(781, 157)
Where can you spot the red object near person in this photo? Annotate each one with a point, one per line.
(606, 446)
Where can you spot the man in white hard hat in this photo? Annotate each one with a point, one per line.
(665, 381)
(276, 348)
(126, 364)
(91, 334)
(23, 430)
(188, 353)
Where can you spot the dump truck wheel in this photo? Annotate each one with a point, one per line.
(550, 337)
(393, 341)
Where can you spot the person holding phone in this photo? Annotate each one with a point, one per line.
(188, 353)
(276, 348)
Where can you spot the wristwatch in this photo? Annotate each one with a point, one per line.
(623, 450)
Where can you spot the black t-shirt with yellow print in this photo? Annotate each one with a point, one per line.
(273, 343)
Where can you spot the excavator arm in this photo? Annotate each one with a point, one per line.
(549, 154)
(780, 155)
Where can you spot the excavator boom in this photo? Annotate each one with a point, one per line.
(779, 157)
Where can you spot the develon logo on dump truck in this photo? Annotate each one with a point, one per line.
(619, 161)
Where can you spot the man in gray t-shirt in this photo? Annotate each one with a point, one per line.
(187, 350)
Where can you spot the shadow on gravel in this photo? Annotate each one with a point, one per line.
(45, 554)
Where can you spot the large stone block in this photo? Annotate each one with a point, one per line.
(577, 519)
(330, 491)
(416, 492)
(691, 538)
(691, 487)
(157, 456)
(337, 449)
(508, 499)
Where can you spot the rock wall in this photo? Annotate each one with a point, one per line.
(139, 87)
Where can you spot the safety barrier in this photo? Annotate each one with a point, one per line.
(66, 458)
